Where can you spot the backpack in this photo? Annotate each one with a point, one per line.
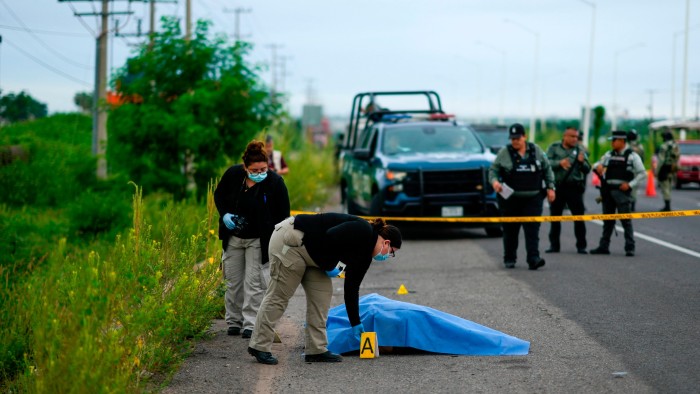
(675, 154)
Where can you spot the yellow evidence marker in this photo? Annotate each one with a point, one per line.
(402, 290)
(368, 345)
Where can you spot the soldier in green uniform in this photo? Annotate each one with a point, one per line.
(666, 168)
(523, 168)
(620, 170)
(569, 162)
(638, 148)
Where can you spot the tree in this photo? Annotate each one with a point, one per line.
(19, 107)
(185, 103)
(84, 101)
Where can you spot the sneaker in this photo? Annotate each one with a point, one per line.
(247, 334)
(552, 250)
(600, 250)
(582, 251)
(509, 264)
(327, 357)
(629, 253)
(262, 357)
(234, 330)
(535, 265)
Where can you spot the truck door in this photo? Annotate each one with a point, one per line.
(363, 169)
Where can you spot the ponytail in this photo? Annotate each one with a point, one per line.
(387, 231)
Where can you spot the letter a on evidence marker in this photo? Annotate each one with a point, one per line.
(368, 345)
(402, 290)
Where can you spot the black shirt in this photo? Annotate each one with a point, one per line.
(266, 204)
(333, 237)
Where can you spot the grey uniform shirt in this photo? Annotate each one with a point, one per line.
(504, 163)
(634, 164)
(557, 152)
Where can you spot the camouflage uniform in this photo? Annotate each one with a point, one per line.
(638, 149)
(571, 184)
(666, 169)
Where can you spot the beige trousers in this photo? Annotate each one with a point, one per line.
(666, 186)
(246, 281)
(290, 266)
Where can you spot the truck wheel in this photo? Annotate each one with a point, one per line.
(348, 207)
(494, 231)
(375, 209)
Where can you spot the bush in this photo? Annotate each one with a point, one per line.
(104, 322)
(95, 213)
(60, 165)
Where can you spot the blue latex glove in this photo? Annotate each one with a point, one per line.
(333, 273)
(358, 330)
(228, 221)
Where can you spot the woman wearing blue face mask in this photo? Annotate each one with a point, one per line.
(305, 250)
(250, 200)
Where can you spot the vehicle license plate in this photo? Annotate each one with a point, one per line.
(452, 211)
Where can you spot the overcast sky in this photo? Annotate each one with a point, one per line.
(336, 49)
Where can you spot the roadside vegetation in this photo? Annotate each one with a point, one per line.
(105, 282)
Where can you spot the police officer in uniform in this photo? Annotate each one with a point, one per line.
(638, 148)
(620, 170)
(524, 168)
(570, 165)
(666, 167)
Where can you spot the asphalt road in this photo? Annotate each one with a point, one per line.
(595, 323)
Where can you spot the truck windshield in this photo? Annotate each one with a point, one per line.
(430, 139)
(689, 149)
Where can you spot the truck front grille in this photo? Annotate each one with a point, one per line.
(442, 183)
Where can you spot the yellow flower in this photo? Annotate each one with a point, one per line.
(211, 232)
(137, 362)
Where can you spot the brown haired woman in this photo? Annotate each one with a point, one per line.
(305, 250)
(250, 200)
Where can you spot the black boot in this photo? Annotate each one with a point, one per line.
(667, 206)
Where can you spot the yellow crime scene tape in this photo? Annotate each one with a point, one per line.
(510, 219)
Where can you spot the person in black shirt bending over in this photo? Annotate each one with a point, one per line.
(250, 200)
(305, 250)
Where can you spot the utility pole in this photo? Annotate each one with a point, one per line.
(188, 20)
(283, 71)
(237, 20)
(273, 69)
(99, 115)
(651, 104)
(101, 95)
(685, 62)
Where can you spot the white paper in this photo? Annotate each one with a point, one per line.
(506, 191)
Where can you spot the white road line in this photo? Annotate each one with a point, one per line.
(655, 240)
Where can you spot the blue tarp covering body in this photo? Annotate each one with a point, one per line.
(401, 324)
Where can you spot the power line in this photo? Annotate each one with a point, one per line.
(55, 52)
(49, 67)
(82, 22)
(38, 31)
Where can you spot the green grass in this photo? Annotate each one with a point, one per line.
(103, 288)
(91, 322)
